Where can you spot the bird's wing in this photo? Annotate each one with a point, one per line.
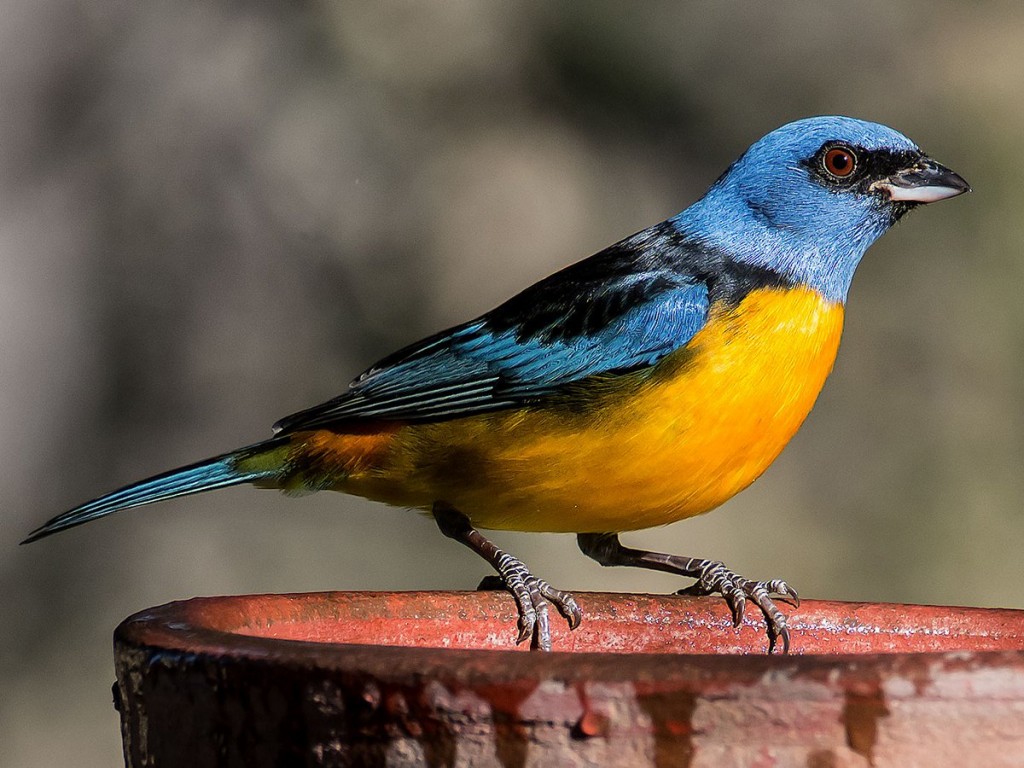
(621, 310)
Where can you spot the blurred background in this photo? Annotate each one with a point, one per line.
(215, 214)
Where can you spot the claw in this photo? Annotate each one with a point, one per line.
(774, 635)
(737, 603)
(782, 591)
(715, 577)
(531, 594)
(527, 621)
(734, 599)
(711, 576)
(564, 602)
(790, 596)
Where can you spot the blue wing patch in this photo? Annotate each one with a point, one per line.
(595, 317)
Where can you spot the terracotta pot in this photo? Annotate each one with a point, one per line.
(433, 679)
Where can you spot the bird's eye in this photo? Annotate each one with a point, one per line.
(840, 162)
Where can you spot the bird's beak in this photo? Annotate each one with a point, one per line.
(923, 182)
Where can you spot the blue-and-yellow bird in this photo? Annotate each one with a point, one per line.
(648, 383)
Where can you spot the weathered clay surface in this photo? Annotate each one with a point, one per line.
(433, 679)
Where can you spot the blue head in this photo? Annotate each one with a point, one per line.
(809, 199)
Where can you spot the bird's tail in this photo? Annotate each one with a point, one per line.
(261, 462)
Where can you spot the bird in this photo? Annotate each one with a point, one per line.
(646, 384)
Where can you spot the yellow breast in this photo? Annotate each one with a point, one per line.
(673, 443)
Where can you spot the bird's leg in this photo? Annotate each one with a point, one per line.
(711, 575)
(531, 594)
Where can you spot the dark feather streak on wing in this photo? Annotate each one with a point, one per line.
(622, 309)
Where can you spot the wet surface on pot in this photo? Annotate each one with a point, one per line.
(434, 679)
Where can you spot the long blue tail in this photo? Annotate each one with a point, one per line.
(243, 466)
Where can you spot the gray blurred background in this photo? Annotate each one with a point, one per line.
(215, 214)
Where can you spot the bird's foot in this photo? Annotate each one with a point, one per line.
(736, 590)
(532, 596)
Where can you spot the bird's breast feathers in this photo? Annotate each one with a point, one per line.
(650, 448)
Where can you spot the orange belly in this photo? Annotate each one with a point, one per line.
(654, 448)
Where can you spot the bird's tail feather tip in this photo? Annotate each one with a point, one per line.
(219, 472)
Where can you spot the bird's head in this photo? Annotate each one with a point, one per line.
(809, 198)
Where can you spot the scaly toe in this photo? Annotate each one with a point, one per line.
(777, 588)
(564, 602)
(785, 593)
(736, 591)
(735, 599)
(775, 633)
(527, 622)
(542, 624)
(760, 594)
(542, 631)
(525, 607)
